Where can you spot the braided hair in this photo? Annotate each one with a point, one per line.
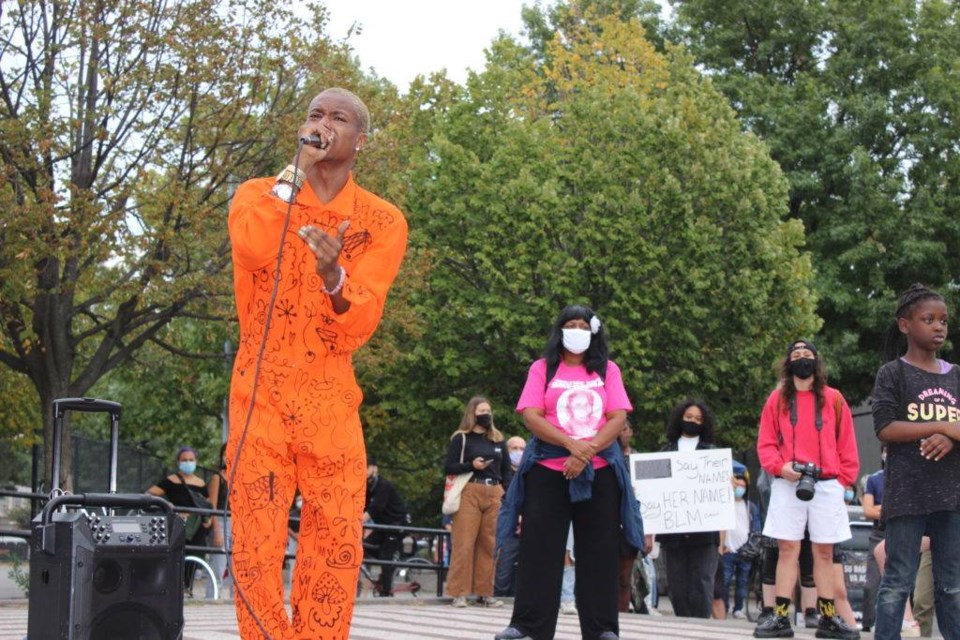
(895, 343)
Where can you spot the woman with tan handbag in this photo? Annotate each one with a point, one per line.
(476, 447)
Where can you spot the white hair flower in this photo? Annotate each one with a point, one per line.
(594, 325)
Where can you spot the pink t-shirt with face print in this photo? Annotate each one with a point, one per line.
(575, 402)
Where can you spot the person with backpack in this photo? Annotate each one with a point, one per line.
(806, 441)
(572, 471)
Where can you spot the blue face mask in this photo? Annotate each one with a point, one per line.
(187, 466)
(739, 492)
(848, 495)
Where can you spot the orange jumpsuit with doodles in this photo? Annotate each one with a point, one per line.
(302, 429)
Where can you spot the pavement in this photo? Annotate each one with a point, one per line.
(406, 617)
(432, 619)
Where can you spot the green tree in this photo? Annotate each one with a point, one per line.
(859, 104)
(20, 427)
(123, 126)
(595, 170)
(173, 400)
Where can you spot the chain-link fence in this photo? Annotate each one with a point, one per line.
(138, 467)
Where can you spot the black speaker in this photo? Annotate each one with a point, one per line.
(99, 576)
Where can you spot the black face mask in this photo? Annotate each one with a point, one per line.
(690, 428)
(484, 420)
(802, 368)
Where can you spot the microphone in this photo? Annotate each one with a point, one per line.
(313, 140)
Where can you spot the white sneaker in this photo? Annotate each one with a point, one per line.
(739, 614)
(654, 611)
(568, 608)
(459, 602)
(910, 629)
(487, 601)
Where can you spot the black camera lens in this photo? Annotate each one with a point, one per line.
(806, 488)
(809, 474)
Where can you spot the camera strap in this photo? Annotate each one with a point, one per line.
(818, 422)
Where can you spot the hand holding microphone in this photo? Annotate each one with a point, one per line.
(316, 141)
(311, 140)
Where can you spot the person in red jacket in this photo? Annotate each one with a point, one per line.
(807, 443)
(294, 399)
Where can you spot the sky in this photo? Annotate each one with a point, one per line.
(402, 40)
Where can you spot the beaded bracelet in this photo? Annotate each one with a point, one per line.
(340, 281)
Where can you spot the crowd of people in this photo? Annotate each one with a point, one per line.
(535, 516)
(810, 463)
(553, 523)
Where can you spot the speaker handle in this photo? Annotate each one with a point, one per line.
(84, 404)
(60, 407)
(128, 500)
(111, 500)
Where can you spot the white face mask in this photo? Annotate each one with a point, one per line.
(515, 457)
(576, 340)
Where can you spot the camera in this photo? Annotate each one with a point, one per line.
(809, 474)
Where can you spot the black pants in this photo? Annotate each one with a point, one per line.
(691, 571)
(387, 545)
(547, 513)
(190, 568)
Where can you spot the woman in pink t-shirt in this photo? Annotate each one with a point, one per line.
(575, 405)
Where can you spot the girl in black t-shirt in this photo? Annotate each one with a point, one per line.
(916, 412)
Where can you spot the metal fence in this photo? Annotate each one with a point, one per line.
(435, 547)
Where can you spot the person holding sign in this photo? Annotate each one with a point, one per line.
(691, 558)
(807, 443)
(572, 470)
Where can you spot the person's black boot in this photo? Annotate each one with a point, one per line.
(774, 627)
(765, 613)
(835, 627)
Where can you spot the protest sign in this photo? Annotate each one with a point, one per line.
(682, 492)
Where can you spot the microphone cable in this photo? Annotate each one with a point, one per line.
(253, 391)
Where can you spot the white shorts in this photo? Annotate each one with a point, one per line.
(825, 515)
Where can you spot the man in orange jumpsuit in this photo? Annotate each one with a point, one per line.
(294, 400)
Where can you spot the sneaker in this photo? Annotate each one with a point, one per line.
(811, 618)
(487, 601)
(739, 614)
(910, 629)
(608, 635)
(765, 613)
(774, 627)
(568, 608)
(459, 602)
(511, 633)
(835, 627)
(653, 611)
